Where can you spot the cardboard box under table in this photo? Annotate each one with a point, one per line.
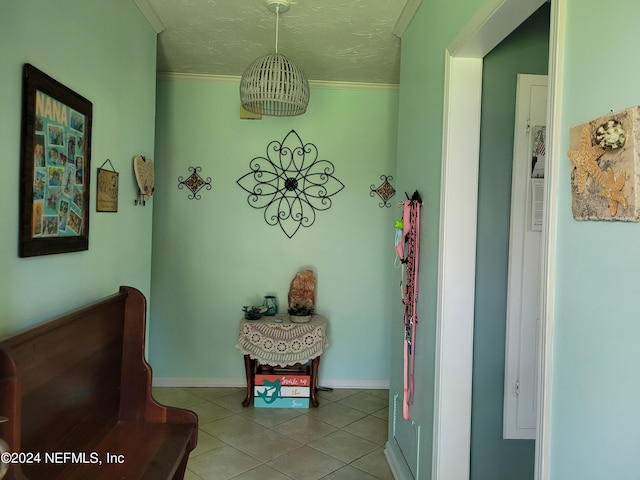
(281, 360)
(285, 390)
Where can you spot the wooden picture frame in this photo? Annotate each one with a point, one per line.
(55, 167)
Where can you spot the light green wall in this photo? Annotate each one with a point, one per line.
(105, 51)
(596, 359)
(595, 392)
(214, 255)
(526, 50)
(419, 165)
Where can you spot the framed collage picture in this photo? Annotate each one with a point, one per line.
(55, 167)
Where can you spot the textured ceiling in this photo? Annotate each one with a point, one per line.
(330, 40)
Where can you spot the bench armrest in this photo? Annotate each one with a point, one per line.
(136, 401)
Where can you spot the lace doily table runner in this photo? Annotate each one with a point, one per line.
(282, 344)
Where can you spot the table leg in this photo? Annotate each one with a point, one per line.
(250, 371)
(315, 363)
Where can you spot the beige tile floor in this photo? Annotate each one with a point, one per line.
(343, 439)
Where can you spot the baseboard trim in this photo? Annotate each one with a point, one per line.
(394, 465)
(198, 382)
(360, 384)
(241, 382)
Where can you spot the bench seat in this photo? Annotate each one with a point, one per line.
(130, 451)
(165, 445)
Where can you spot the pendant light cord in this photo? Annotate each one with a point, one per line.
(277, 25)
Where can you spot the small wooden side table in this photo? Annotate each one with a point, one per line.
(282, 344)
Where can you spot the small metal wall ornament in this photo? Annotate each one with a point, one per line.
(290, 183)
(385, 191)
(194, 183)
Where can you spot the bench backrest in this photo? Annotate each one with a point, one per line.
(62, 379)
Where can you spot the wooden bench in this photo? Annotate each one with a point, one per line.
(77, 395)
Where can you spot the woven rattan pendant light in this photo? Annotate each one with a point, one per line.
(273, 84)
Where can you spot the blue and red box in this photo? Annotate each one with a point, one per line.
(281, 391)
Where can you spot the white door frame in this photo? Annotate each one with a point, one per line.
(493, 22)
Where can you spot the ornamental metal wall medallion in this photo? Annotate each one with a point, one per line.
(194, 182)
(290, 184)
(385, 191)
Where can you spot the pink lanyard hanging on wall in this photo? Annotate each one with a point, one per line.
(408, 237)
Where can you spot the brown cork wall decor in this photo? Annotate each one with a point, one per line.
(605, 167)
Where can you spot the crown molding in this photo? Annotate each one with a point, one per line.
(198, 77)
(208, 78)
(352, 85)
(150, 14)
(407, 14)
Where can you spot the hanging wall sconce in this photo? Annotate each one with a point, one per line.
(273, 84)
